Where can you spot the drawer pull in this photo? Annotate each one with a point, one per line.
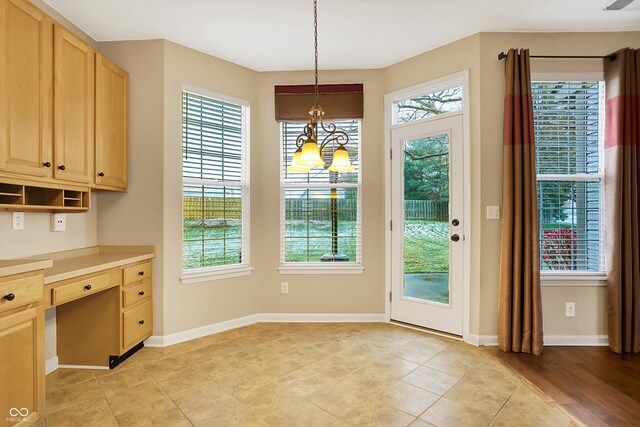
(141, 322)
(61, 167)
(9, 297)
(47, 164)
(101, 174)
(141, 293)
(87, 287)
(141, 273)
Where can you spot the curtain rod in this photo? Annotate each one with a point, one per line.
(503, 55)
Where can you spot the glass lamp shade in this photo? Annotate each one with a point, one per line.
(310, 155)
(341, 162)
(295, 165)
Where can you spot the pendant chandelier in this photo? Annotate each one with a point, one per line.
(310, 151)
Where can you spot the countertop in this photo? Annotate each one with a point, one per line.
(18, 266)
(66, 265)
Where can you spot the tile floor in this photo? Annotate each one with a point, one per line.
(302, 374)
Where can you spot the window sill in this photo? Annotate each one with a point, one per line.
(315, 268)
(206, 275)
(557, 279)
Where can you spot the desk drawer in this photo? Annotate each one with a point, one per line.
(137, 272)
(137, 324)
(20, 291)
(136, 293)
(78, 288)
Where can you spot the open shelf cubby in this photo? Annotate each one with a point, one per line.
(11, 194)
(19, 197)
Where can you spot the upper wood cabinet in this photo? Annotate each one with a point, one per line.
(25, 89)
(73, 108)
(111, 125)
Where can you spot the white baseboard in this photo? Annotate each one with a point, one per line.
(486, 340)
(577, 340)
(105, 368)
(550, 340)
(202, 331)
(51, 365)
(322, 317)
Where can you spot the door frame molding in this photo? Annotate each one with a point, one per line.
(461, 78)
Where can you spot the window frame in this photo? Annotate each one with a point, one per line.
(319, 267)
(203, 274)
(568, 278)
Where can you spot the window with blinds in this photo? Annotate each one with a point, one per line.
(320, 210)
(214, 176)
(568, 127)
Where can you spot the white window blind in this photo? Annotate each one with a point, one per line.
(568, 127)
(215, 208)
(320, 210)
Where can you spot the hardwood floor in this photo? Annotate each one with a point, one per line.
(596, 386)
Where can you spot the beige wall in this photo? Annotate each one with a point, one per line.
(590, 304)
(194, 305)
(150, 213)
(188, 306)
(136, 217)
(443, 61)
(361, 293)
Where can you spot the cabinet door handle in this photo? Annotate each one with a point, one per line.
(141, 322)
(101, 174)
(61, 167)
(47, 164)
(87, 287)
(141, 273)
(141, 293)
(9, 297)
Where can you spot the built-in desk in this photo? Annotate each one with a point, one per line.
(103, 300)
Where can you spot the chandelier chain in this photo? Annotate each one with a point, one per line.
(315, 44)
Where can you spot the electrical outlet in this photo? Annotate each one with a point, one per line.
(493, 212)
(58, 222)
(570, 309)
(284, 287)
(17, 220)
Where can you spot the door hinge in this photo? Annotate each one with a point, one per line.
(391, 154)
(391, 225)
(390, 297)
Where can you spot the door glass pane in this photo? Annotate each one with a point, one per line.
(426, 218)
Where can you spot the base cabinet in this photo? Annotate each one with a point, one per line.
(21, 351)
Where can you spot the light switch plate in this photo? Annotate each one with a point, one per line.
(58, 222)
(17, 220)
(570, 309)
(493, 212)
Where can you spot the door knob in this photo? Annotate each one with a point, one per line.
(61, 167)
(47, 164)
(455, 237)
(455, 222)
(101, 174)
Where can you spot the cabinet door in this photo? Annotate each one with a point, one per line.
(26, 78)
(111, 125)
(73, 96)
(22, 364)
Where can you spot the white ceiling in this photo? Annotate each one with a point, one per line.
(268, 35)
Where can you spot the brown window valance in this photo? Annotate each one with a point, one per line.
(339, 101)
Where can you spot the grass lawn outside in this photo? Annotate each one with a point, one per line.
(426, 243)
(426, 246)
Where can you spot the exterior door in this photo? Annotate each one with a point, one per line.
(427, 223)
